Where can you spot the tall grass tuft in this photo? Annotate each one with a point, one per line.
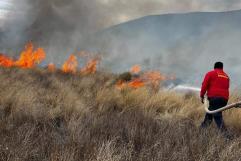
(51, 116)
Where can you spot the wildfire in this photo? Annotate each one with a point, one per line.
(6, 61)
(29, 58)
(91, 66)
(136, 83)
(154, 78)
(70, 65)
(149, 78)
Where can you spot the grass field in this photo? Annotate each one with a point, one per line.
(51, 116)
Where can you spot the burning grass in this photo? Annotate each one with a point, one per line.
(30, 57)
(50, 115)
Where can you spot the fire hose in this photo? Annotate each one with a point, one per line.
(237, 104)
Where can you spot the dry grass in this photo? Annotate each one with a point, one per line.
(57, 117)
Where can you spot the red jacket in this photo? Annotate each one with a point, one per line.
(216, 84)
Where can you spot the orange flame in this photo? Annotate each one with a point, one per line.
(29, 58)
(135, 69)
(91, 66)
(51, 67)
(154, 76)
(6, 61)
(149, 78)
(70, 65)
(136, 83)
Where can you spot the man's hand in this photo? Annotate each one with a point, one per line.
(202, 100)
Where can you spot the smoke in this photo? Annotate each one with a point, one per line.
(187, 45)
(60, 26)
(14, 25)
(44, 19)
(41, 19)
(65, 26)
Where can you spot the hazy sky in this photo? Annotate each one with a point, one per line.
(5, 7)
(110, 12)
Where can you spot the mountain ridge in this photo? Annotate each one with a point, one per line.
(169, 14)
(174, 43)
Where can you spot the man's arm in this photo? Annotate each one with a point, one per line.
(205, 86)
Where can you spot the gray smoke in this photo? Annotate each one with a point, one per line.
(15, 22)
(57, 22)
(63, 27)
(187, 45)
(59, 26)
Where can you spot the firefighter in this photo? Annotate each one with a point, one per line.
(216, 85)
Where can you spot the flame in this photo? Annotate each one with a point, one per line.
(70, 65)
(51, 67)
(152, 79)
(135, 69)
(136, 83)
(29, 58)
(91, 66)
(6, 61)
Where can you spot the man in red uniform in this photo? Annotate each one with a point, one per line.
(216, 85)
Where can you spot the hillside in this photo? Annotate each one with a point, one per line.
(187, 44)
(54, 116)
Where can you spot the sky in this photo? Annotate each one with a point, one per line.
(106, 13)
(5, 8)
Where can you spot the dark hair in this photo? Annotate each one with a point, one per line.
(218, 65)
